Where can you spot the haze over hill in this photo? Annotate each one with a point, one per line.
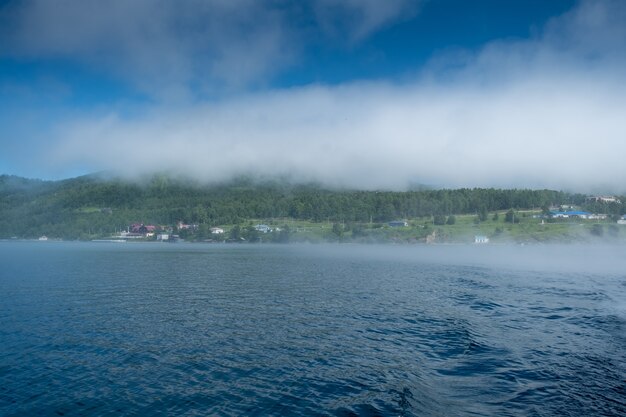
(92, 207)
(358, 94)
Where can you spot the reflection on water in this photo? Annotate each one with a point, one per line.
(149, 329)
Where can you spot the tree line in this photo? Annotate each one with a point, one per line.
(88, 206)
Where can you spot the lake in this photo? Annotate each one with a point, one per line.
(140, 329)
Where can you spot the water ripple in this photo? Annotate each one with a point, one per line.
(192, 330)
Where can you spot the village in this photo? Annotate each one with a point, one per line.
(160, 233)
(548, 224)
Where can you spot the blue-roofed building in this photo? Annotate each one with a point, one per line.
(569, 214)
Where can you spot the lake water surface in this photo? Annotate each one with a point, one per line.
(106, 329)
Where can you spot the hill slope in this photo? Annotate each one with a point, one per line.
(91, 206)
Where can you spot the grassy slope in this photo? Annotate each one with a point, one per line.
(528, 230)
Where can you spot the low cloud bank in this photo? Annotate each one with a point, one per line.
(540, 132)
(543, 112)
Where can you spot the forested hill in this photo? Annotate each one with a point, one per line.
(86, 206)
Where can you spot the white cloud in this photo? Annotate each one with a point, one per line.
(159, 46)
(544, 132)
(548, 111)
(173, 49)
(353, 20)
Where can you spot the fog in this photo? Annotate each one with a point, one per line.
(536, 133)
(547, 111)
(595, 270)
(579, 261)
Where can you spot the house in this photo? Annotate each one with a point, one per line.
(398, 223)
(217, 230)
(572, 214)
(130, 235)
(182, 226)
(558, 215)
(142, 229)
(578, 214)
(604, 199)
(481, 239)
(263, 228)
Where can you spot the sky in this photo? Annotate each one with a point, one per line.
(352, 93)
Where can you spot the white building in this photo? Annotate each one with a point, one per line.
(217, 230)
(263, 228)
(481, 239)
(604, 199)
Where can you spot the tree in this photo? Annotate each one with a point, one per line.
(495, 217)
(235, 232)
(597, 230)
(358, 230)
(282, 236)
(203, 231)
(482, 214)
(251, 234)
(337, 229)
(511, 217)
(451, 220)
(439, 219)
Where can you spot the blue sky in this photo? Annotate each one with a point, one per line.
(361, 93)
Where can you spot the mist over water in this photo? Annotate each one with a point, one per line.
(158, 329)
